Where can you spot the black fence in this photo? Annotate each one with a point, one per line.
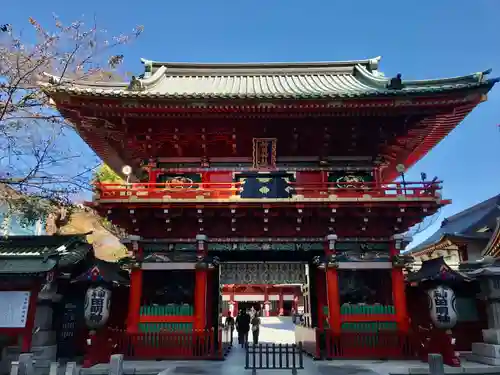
(274, 357)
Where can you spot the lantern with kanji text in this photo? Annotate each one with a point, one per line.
(442, 306)
(97, 306)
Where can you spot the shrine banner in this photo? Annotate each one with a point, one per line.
(264, 152)
(265, 185)
(97, 305)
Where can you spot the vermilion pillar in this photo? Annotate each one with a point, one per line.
(232, 300)
(200, 289)
(266, 301)
(281, 309)
(321, 295)
(135, 293)
(332, 286)
(398, 286)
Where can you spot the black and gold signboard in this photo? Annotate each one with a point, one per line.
(350, 179)
(264, 152)
(180, 181)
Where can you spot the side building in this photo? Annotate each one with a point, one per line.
(464, 237)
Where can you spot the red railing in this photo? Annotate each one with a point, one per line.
(194, 345)
(370, 345)
(212, 190)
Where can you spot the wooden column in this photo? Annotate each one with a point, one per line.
(321, 295)
(463, 253)
(266, 301)
(232, 300)
(135, 293)
(200, 289)
(152, 173)
(398, 287)
(281, 310)
(332, 286)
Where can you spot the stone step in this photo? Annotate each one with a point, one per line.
(44, 352)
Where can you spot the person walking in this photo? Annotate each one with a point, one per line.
(229, 325)
(255, 328)
(243, 327)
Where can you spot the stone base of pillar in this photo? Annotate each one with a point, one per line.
(491, 336)
(488, 354)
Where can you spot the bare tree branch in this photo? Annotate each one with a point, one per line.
(42, 158)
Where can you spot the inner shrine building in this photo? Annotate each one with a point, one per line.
(268, 174)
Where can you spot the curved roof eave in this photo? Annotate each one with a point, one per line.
(474, 78)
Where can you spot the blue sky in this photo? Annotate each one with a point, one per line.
(420, 39)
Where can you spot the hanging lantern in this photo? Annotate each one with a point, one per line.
(442, 306)
(97, 305)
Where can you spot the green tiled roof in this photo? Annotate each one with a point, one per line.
(38, 254)
(316, 80)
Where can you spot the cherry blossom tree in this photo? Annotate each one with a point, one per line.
(41, 157)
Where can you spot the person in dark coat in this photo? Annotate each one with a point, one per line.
(255, 328)
(229, 324)
(243, 327)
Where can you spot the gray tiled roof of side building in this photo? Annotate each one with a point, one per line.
(466, 223)
(35, 254)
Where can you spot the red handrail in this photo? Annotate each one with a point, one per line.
(214, 190)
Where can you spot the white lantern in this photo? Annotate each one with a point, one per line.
(442, 307)
(97, 305)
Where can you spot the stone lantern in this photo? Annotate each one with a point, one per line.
(488, 275)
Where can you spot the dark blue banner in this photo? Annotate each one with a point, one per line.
(266, 185)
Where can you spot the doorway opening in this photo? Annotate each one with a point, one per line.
(287, 308)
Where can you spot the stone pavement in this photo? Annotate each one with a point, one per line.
(281, 330)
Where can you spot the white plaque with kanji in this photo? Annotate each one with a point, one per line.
(14, 308)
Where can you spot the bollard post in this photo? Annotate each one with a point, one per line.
(71, 369)
(116, 364)
(54, 368)
(436, 366)
(14, 368)
(247, 356)
(301, 355)
(26, 364)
